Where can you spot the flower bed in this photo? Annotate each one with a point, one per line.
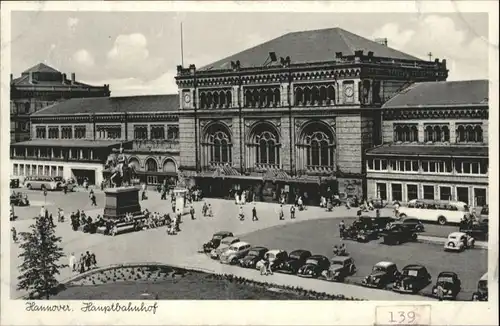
(160, 282)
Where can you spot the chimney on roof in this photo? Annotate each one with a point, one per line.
(31, 77)
(63, 78)
(444, 63)
(338, 55)
(381, 41)
(72, 78)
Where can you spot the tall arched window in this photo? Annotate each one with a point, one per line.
(478, 134)
(469, 133)
(151, 165)
(267, 148)
(316, 147)
(330, 94)
(299, 96)
(217, 145)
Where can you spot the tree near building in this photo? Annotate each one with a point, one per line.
(40, 252)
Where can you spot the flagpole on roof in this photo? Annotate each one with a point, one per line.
(182, 48)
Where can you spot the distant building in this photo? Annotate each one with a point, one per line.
(39, 87)
(74, 138)
(295, 114)
(435, 144)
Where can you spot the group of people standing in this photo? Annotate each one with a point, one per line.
(84, 263)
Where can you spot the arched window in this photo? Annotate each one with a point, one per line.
(478, 134)
(461, 134)
(405, 133)
(209, 100)
(248, 98)
(330, 94)
(276, 97)
(469, 133)
(316, 146)
(216, 99)
(315, 95)
(169, 166)
(134, 162)
(322, 95)
(203, 100)
(414, 134)
(445, 134)
(307, 96)
(228, 99)
(217, 145)
(151, 165)
(299, 96)
(263, 146)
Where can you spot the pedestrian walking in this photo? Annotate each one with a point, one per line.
(51, 220)
(269, 270)
(72, 262)
(210, 211)
(281, 214)
(14, 234)
(241, 214)
(93, 261)
(396, 209)
(191, 211)
(204, 210)
(440, 292)
(87, 261)
(342, 229)
(254, 213)
(81, 264)
(292, 212)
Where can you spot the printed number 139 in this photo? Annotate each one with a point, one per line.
(402, 317)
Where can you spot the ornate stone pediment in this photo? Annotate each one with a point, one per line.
(205, 122)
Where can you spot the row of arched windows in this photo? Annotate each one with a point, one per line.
(436, 133)
(469, 133)
(262, 97)
(215, 99)
(315, 95)
(151, 165)
(406, 133)
(439, 133)
(315, 148)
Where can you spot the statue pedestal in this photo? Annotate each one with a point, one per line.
(120, 201)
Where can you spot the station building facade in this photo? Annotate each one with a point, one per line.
(435, 144)
(295, 114)
(75, 138)
(39, 87)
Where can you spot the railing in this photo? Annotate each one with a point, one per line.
(266, 166)
(322, 169)
(57, 159)
(214, 165)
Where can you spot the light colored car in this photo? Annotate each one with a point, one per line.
(224, 245)
(458, 241)
(235, 252)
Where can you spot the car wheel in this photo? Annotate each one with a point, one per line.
(441, 220)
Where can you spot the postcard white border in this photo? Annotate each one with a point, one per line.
(233, 312)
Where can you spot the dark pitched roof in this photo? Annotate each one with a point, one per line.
(310, 46)
(442, 93)
(41, 67)
(130, 104)
(68, 143)
(24, 81)
(429, 150)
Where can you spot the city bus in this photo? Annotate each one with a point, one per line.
(441, 211)
(44, 183)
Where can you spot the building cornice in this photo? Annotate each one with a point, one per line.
(438, 112)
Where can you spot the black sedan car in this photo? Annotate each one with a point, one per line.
(254, 255)
(398, 233)
(482, 289)
(296, 260)
(383, 273)
(413, 223)
(447, 286)
(413, 278)
(214, 243)
(314, 266)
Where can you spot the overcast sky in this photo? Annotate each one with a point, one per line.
(137, 52)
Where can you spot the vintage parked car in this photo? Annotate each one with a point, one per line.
(482, 289)
(380, 223)
(275, 257)
(253, 257)
(224, 244)
(412, 279)
(215, 241)
(19, 199)
(398, 233)
(296, 260)
(340, 268)
(367, 235)
(478, 230)
(413, 223)
(234, 253)
(383, 273)
(314, 266)
(458, 241)
(450, 283)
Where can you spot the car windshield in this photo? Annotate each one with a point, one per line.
(338, 262)
(410, 272)
(312, 261)
(452, 237)
(254, 253)
(445, 279)
(483, 285)
(233, 248)
(379, 269)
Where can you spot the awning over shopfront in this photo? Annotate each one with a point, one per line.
(74, 143)
(429, 151)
